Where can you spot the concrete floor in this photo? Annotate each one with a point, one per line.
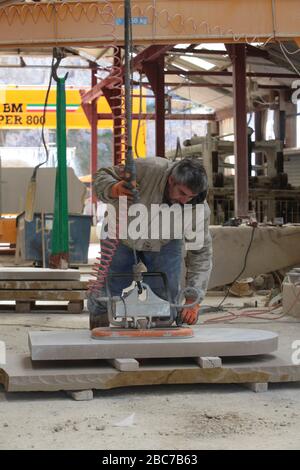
(158, 417)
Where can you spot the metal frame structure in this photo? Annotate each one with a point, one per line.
(233, 22)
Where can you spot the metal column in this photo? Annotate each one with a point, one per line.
(156, 76)
(259, 158)
(238, 57)
(94, 140)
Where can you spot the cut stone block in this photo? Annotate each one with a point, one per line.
(81, 395)
(75, 307)
(70, 345)
(209, 362)
(23, 307)
(125, 364)
(257, 387)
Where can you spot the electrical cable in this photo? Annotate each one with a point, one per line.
(287, 58)
(129, 161)
(108, 246)
(288, 51)
(139, 118)
(274, 19)
(178, 152)
(31, 190)
(190, 100)
(124, 134)
(240, 273)
(44, 113)
(245, 313)
(44, 121)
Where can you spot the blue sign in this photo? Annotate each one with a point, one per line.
(136, 20)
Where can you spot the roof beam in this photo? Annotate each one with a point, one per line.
(149, 54)
(227, 113)
(38, 24)
(222, 73)
(171, 117)
(97, 90)
(197, 52)
(252, 51)
(221, 85)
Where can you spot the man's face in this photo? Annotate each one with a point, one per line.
(179, 193)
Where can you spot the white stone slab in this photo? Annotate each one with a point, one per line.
(26, 274)
(14, 185)
(72, 345)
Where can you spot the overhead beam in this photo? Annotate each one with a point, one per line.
(87, 23)
(251, 51)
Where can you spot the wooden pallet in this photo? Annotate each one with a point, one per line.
(25, 294)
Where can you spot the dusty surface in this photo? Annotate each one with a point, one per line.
(158, 417)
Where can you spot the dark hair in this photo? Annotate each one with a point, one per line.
(191, 173)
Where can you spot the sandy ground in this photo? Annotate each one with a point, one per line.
(158, 417)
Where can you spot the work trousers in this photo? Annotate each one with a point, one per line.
(168, 260)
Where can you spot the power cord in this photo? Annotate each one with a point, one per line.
(219, 307)
(44, 114)
(139, 118)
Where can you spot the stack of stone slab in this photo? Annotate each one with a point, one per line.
(26, 286)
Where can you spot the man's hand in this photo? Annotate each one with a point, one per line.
(189, 315)
(121, 189)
